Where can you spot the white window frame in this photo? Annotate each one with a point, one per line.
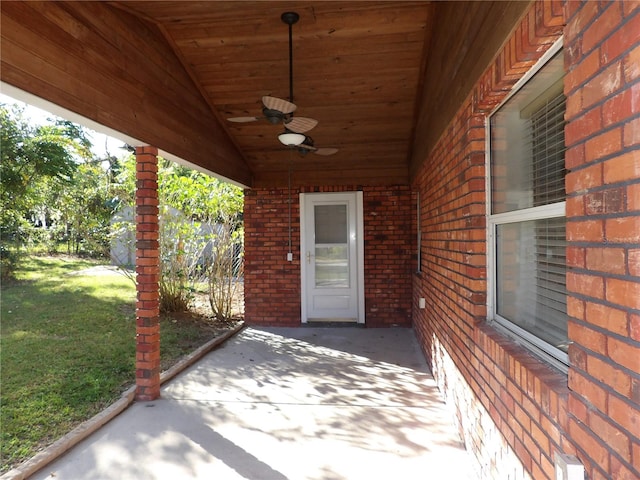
(552, 355)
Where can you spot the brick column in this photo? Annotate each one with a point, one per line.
(147, 275)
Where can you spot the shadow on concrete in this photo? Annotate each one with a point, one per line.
(281, 403)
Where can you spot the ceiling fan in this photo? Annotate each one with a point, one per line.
(276, 110)
(307, 146)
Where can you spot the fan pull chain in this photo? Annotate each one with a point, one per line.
(290, 166)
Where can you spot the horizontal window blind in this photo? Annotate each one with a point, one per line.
(546, 140)
(550, 281)
(547, 155)
(531, 263)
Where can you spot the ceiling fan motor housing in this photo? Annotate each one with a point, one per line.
(273, 116)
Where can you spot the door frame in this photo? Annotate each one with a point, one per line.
(358, 197)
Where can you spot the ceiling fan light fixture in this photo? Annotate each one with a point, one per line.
(291, 139)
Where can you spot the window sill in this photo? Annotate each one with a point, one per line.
(542, 383)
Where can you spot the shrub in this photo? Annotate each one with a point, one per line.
(225, 269)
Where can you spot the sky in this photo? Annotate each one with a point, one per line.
(102, 144)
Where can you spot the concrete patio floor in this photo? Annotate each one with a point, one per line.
(284, 403)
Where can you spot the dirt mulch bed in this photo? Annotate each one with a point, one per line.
(200, 319)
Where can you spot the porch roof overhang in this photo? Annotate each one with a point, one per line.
(382, 78)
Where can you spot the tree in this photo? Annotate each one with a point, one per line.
(33, 158)
(83, 212)
(30, 153)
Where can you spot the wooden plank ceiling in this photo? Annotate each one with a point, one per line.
(360, 69)
(356, 69)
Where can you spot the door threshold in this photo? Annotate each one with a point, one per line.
(332, 323)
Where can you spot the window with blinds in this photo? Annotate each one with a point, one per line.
(527, 213)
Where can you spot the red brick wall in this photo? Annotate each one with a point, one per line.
(602, 43)
(272, 284)
(513, 410)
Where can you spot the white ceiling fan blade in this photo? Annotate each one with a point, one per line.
(243, 119)
(300, 124)
(326, 151)
(274, 103)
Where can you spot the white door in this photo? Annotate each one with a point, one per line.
(331, 257)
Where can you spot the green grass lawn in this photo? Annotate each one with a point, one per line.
(67, 349)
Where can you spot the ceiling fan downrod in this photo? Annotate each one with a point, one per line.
(290, 18)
